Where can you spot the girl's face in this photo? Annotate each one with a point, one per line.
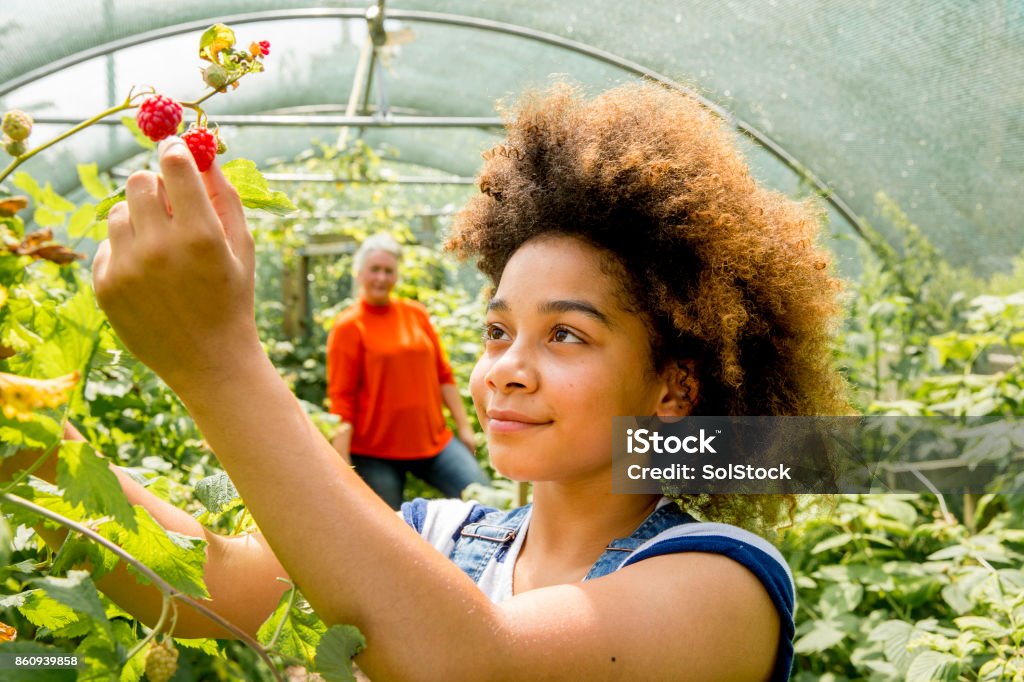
(561, 358)
(378, 277)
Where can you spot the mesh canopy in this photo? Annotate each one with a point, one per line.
(920, 100)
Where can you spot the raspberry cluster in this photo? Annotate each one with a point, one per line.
(161, 662)
(159, 117)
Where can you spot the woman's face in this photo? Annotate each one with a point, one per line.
(377, 277)
(561, 358)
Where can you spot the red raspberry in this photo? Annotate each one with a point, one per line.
(264, 47)
(159, 117)
(203, 145)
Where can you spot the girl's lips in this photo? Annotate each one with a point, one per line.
(511, 425)
(507, 421)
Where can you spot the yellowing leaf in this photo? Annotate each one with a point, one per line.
(21, 396)
(215, 39)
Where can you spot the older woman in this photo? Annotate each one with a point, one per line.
(387, 376)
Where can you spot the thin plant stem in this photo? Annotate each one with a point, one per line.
(141, 644)
(18, 160)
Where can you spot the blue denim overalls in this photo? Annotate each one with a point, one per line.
(488, 534)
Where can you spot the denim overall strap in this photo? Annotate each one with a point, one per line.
(617, 551)
(489, 538)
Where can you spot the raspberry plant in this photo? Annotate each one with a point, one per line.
(59, 360)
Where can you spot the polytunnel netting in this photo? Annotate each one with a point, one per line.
(921, 101)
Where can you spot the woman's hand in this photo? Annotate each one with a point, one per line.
(468, 436)
(175, 276)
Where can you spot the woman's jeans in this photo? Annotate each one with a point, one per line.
(450, 471)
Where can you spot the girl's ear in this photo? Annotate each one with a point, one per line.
(681, 390)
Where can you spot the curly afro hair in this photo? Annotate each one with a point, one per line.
(723, 271)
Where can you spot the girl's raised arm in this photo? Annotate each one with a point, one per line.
(176, 280)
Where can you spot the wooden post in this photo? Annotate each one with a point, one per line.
(295, 295)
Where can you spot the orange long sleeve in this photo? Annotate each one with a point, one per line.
(385, 368)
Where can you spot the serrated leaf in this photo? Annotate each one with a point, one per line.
(178, 559)
(115, 197)
(78, 592)
(335, 651)
(81, 220)
(77, 551)
(217, 493)
(894, 636)
(132, 125)
(986, 628)
(89, 175)
(87, 480)
(825, 634)
(44, 611)
(933, 666)
(300, 629)
(253, 189)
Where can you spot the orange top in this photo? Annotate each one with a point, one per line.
(385, 368)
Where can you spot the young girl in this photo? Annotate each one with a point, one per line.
(639, 270)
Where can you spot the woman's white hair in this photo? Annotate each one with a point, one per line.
(381, 241)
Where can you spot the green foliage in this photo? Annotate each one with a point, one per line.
(889, 587)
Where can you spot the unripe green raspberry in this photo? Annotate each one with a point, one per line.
(216, 76)
(14, 147)
(161, 662)
(222, 146)
(17, 125)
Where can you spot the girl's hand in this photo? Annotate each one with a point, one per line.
(175, 276)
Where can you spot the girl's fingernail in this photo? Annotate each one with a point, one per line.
(168, 142)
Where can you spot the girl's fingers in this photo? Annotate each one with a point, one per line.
(147, 210)
(120, 232)
(185, 190)
(228, 207)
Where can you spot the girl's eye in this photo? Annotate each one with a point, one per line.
(563, 335)
(493, 332)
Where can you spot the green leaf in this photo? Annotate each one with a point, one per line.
(217, 493)
(178, 559)
(894, 636)
(300, 629)
(81, 220)
(335, 651)
(44, 611)
(933, 666)
(825, 634)
(132, 125)
(103, 208)
(28, 184)
(6, 538)
(833, 542)
(839, 599)
(44, 217)
(89, 175)
(77, 551)
(87, 480)
(78, 592)
(253, 189)
(986, 628)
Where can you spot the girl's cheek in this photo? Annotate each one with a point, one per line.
(478, 385)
